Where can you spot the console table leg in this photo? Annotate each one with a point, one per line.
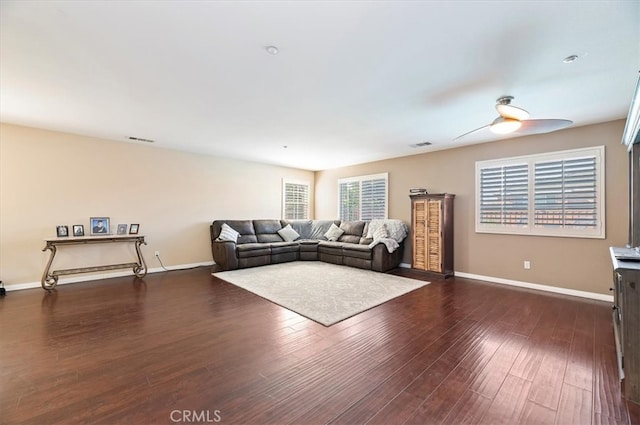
(49, 281)
(141, 269)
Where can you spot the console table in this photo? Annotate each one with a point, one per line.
(50, 278)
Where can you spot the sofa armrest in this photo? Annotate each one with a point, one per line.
(383, 261)
(224, 254)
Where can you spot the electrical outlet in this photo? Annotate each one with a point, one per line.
(157, 254)
(527, 264)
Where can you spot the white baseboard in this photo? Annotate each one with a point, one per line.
(529, 285)
(537, 286)
(76, 279)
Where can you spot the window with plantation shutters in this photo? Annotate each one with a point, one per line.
(566, 195)
(552, 194)
(295, 200)
(504, 195)
(363, 197)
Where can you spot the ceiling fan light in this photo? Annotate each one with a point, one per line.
(510, 111)
(503, 125)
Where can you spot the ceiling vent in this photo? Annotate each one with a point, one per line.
(140, 139)
(421, 144)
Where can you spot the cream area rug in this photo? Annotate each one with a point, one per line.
(323, 292)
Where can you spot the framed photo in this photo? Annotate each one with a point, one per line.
(122, 229)
(78, 230)
(99, 225)
(133, 230)
(62, 231)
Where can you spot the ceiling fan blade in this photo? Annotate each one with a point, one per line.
(510, 111)
(472, 131)
(542, 126)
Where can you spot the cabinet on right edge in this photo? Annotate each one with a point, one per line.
(432, 233)
(626, 320)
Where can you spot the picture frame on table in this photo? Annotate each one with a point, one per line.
(78, 230)
(122, 229)
(133, 229)
(99, 226)
(62, 231)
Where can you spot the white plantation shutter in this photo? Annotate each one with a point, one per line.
(350, 200)
(566, 193)
(504, 195)
(295, 200)
(553, 194)
(363, 197)
(374, 199)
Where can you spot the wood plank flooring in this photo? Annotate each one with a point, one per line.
(185, 347)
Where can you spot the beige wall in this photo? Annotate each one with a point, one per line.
(49, 178)
(581, 264)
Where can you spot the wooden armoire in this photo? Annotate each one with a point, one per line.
(432, 233)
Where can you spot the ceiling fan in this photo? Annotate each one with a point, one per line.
(514, 120)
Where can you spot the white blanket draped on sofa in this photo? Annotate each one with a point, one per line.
(388, 232)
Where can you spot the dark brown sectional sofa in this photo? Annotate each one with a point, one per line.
(260, 244)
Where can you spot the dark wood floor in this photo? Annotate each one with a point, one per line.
(121, 351)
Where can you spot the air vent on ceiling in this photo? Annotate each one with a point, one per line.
(140, 139)
(421, 144)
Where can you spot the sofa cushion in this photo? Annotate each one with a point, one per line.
(245, 228)
(267, 230)
(308, 245)
(356, 251)
(354, 228)
(353, 231)
(288, 234)
(302, 227)
(319, 228)
(282, 247)
(228, 234)
(333, 233)
(253, 250)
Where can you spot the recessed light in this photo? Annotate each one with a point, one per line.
(272, 50)
(285, 147)
(570, 59)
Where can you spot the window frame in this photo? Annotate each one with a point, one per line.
(360, 180)
(597, 232)
(286, 182)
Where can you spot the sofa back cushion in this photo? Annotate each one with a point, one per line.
(353, 231)
(320, 227)
(267, 230)
(244, 227)
(302, 227)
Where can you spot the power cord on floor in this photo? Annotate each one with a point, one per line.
(157, 255)
(160, 261)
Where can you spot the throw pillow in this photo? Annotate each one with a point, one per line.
(381, 233)
(228, 234)
(288, 234)
(333, 233)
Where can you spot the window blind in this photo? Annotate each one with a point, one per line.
(296, 201)
(551, 194)
(504, 195)
(363, 198)
(350, 200)
(566, 193)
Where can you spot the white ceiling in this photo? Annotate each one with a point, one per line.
(354, 81)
